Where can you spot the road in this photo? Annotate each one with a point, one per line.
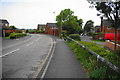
(22, 57)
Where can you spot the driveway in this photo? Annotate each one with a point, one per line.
(89, 39)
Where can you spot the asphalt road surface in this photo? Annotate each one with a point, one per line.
(64, 63)
(22, 57)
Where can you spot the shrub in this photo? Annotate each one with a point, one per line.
(16, 35)
(7, 34)
(117, 52)
(75, 36)
(63, 34)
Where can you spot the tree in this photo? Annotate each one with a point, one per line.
(88, 26)
(110, 10)
(69, 22)
(12, 27)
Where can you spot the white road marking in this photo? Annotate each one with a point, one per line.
(48, 63)
(30, 44)
(9, 53)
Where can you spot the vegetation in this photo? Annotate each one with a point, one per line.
(69, 22)
(75, 36)
(113, 58)
(13, 27)
(7, 34)
(96, 69)
(88, 26)
(16, 35)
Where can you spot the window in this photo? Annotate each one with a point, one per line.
(108, 27)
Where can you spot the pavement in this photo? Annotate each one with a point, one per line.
(64, 63)
(22, 57)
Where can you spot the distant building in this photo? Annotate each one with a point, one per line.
(41, 27)
(52, 29)
(97, 28)
(4, 23)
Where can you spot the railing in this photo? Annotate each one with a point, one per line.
(98, 56)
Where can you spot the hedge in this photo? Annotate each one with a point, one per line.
(75, 36)
(16, 35)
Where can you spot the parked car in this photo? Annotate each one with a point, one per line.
(111, 36)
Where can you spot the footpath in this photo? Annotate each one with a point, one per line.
(64, 63)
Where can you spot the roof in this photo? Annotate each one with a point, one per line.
(4, 21)
(107, 23)
(51, 25)
(97, 27)
(41, 25)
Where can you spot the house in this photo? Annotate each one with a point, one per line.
(97, 28)
(4, 28)
(41, 27)
(52, 29)
(4, 22)
(106, 27)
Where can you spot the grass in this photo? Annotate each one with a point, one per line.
(96, 69)
(7, 37)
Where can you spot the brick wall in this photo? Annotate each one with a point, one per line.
(110, 45)
(50, 31)
(99, 36)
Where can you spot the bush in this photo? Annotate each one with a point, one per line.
(7, 34)
(75, 36)
(63, 34)
(16, 35)
(117, 52)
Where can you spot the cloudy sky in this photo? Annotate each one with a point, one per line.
(29, 13)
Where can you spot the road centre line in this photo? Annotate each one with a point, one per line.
(9, 53)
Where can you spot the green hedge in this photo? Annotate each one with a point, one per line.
(75, 36)
(16, 35)
(96, 69)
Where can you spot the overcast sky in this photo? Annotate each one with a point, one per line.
(30, 13)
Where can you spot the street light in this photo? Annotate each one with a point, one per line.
(61, 24)
(54, 25)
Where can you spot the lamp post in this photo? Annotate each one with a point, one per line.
(61, 25)
(54, 25)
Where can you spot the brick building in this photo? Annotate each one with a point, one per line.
(52, 29)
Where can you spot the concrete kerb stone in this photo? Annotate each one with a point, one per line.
(39, 72)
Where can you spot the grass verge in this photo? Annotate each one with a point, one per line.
(96, 69)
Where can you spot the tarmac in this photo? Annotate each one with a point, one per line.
(64, 64)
